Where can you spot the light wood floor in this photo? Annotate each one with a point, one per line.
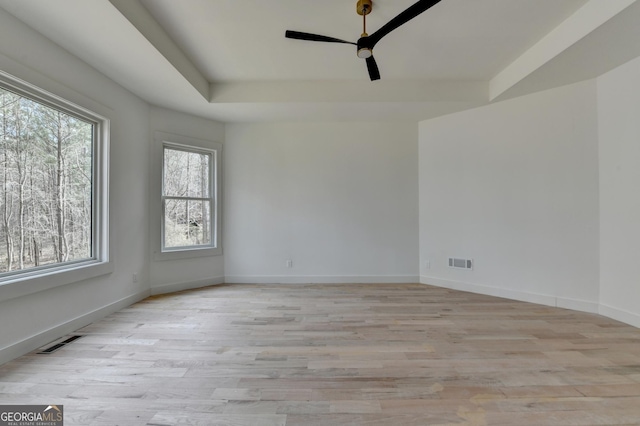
(338, 355)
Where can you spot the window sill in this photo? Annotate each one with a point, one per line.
(186, 254)
(33, 283)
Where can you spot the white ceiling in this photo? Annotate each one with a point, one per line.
(232, 40)
(229, 59)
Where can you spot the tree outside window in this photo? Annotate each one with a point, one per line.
(46, 185)
(188, 199)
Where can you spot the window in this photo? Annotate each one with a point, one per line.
(52, 183)
(189, 202)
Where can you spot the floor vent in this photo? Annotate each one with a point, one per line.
(51, 349)
(458, 263)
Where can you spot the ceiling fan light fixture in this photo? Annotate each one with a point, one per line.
(365, 53)
(367, 42)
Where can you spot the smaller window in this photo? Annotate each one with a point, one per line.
(189, 218)
(187, 199)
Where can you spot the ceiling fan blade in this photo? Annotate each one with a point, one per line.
(372, 66)
(404, 17)
(314, 37)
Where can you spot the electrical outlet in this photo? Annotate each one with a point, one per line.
(427, 264)
(289, 263)
(135, 278)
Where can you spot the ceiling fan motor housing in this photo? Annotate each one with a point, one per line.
(364, 48)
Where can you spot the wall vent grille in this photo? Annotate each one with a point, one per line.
(459, 263)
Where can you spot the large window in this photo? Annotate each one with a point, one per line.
(189, 201)
(51, 192)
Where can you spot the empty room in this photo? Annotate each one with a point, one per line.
(333, 212)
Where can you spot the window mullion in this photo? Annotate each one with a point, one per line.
(170, 197)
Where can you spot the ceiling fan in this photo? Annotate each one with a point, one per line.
(367, 42)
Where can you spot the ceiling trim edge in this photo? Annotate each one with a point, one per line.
(586, 20)
(142, 20)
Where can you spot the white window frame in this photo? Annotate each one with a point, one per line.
(188, 144)
(21, 283)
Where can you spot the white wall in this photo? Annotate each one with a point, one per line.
(338, 199)
(619, 133)
(30, 321)
(514, 186)
(180, 274)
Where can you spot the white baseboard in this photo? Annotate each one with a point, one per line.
(321, 279)
(540, 299)
(578, 305)
(188, 285)
(34, 342)
(620, 315)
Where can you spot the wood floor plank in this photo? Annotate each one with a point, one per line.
(350, 354)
